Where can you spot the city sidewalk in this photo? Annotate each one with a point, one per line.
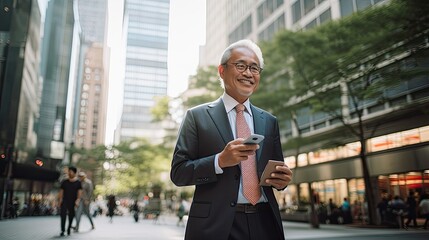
(41, 228)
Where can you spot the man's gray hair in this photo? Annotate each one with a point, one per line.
(246, 43)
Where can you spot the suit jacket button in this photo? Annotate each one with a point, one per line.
(232, 204)
(237, 177)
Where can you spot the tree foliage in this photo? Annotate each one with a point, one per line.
(315, 68)
(203, 87)
(338, 68)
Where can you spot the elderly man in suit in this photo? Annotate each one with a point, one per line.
(228, 202)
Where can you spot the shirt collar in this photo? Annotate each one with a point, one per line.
(230, 103)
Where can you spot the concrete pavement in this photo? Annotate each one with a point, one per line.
(42, 228)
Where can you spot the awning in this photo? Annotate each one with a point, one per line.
(32, 172)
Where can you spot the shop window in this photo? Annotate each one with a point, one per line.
(304, 193)
(329, 191)
(302, 160)
(340, 186)
(290, 161)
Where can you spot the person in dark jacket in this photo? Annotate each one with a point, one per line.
(69, 198)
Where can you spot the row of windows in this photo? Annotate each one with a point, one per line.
(137, 25)
(147, 51)
(139, 102)
(244, 29)
(149, 11)
(347, 7)
(319, 20)
(154, 81)
(269, 32)
(147, 44)
(144, 93)
(302, 7)
(394, 140)
(157, 58)
(142, 5)
(137, 125)
(267, 8)
(141, 62)
(136, 109)
(148, 38)
(401, 93)
(148, 32)
(143, 20)
(146, 69)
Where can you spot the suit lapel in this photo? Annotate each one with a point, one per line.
(259, 126)
(219, 117)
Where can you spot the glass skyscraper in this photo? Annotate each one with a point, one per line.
(146, 24)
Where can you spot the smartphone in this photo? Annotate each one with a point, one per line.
(254, 139)
(269, 168)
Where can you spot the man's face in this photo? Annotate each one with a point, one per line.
(72, 174)
(240, 85)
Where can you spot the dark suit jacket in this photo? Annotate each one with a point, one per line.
(204, 132)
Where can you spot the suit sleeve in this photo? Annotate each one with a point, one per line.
(188, 167)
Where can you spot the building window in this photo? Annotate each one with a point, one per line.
(267, 8)
(348, 7)
(309, 5)
(296, 11)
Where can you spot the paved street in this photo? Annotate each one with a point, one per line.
(42, 228)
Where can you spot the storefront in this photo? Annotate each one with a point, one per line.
(398, 163)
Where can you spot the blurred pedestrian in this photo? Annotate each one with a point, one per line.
(87, 190)
(330, 212)
(15, 204)
(135, 209)
(346, 211)
(111, 206)
(398, 207)
(424, 209)
(382, 209)
(69, 198)
(181, 212)
(412, 210)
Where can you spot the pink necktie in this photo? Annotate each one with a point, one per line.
(251, 189)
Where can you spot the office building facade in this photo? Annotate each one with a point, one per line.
(90, 108)
(34, 93)
(146, 24)
(398, 151)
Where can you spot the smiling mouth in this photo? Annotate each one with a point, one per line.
(246, 81)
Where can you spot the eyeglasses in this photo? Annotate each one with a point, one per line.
(241, 67)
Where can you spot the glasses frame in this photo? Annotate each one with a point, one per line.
(247, 67)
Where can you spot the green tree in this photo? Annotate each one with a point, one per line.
(161, 109)
(203, 87)
(136, 167)
(336, 69)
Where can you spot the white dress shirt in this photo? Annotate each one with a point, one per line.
(230, 104)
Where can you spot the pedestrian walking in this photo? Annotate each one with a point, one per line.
(346, 211)
(15, 204)
(382, 209)
(398, 207)
(412, 210)
(211, 155)
(111, 206)
(181, 212)
(135, 209)
(84, 204)
(424, 209)
(69, 198)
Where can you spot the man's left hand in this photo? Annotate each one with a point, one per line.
(280, 178)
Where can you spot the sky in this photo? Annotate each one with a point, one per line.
(186, 35)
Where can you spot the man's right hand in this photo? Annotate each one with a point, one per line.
(235, 152)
